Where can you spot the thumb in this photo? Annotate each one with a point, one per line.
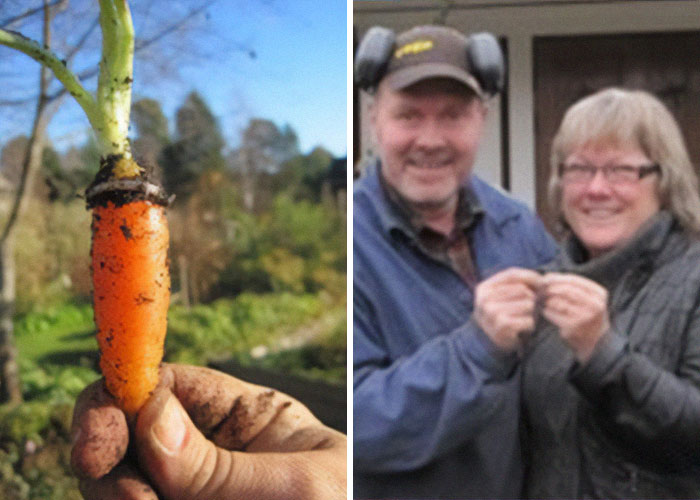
(179, 461)
(183, 464)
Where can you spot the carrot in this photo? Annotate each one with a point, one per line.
(131, 285)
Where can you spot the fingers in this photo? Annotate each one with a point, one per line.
(505, 306)
(234, 413)
(183, 464)
(289, 453)
(122, 483)
(511, 284)
(516, 275)
(578, 306)
(556, 313)
(573, 286)
(571, 296)
(100, 433)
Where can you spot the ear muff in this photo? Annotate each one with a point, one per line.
(372, 57)
(486, 62)
(484, 58)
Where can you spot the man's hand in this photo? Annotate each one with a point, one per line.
(579, 307)
(205, 435)
(505, 306)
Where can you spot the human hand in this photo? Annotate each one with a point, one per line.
(579, 307)
(205, 435)
(504, 306)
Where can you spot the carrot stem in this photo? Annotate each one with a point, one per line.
(108, 111)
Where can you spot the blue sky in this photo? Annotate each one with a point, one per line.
(298, 75)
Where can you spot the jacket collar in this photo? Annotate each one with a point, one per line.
(608, 269)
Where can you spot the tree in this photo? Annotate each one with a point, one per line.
(198, 147)
(10, 390)
(59, 184)
(201, 235)
(193, 169)
(152, 134)
(303, 175)
(12, 157)
(148, 119)
(264, 147)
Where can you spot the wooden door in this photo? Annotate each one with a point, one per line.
(569, 68)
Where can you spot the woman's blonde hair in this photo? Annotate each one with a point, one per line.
(620, 117)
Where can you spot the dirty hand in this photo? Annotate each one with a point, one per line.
(579, 307)
(505, 306)
(205, 435)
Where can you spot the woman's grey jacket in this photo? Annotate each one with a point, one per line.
(627, 423)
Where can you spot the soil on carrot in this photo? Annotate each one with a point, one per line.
(107, 188)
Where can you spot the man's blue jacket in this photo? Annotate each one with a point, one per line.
(436, 404)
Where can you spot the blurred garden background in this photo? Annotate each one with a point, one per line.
(258, 234)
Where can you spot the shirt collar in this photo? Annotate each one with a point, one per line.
(401, 216)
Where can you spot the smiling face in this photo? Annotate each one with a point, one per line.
(428, 136)
(603, 215)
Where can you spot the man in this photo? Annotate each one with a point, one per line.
(435, 386)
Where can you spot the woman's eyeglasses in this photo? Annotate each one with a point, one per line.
(615, 174)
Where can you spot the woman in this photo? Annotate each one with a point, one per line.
(611, 378)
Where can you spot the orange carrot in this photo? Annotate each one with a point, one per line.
(131, 292)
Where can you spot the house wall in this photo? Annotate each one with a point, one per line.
(519, 25)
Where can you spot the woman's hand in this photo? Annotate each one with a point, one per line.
(579, 307)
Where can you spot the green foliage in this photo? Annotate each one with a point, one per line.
(52, 252)
(66, 317)
(265, 147)
(30, 421)
(60, 185)
(324, 358)
(148, 119)
(152, 135)
(35, 436)
(226, 327)
(12, 485)
(35, 452)
(54, 383)
(198, 147)
(90, 161)
(303, 175)
(297, 247)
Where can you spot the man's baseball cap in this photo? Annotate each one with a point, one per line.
(430, 52)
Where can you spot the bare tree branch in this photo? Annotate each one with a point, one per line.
(46, 57)
(10, 388)
(38, 129)
(142, 44)
(5, 23)
(81, 41)
(84, 76)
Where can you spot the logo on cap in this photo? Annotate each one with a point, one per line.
(413, 48)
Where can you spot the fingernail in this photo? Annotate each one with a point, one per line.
(169, 429)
